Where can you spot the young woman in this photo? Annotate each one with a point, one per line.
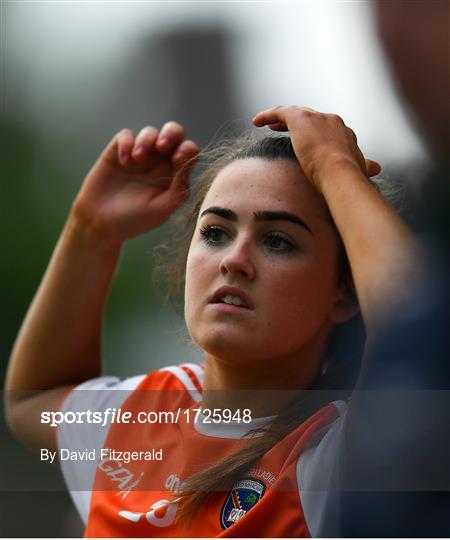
(248, 450)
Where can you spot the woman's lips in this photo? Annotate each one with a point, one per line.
(230, 308)
(226, 290)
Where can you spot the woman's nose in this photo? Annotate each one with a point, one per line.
(238, 260)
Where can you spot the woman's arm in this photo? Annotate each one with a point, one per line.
(135, 185)
(59, 342)
(392, 462)
(383, 253)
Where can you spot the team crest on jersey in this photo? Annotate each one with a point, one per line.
(241, 498)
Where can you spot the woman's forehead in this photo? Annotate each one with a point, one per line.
(254, 182)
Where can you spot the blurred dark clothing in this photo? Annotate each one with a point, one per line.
(392, 475)
(433, 210)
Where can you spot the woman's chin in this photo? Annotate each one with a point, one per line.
(228, 346)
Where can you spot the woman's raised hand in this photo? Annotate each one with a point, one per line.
(321, 141)
(137, 182)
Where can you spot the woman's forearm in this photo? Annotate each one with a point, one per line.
(60, 339)
(385, 258)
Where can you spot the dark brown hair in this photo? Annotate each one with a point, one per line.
(345, 346)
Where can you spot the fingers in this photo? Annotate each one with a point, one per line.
(351, 132)
(279, 116)
(274, 116)
(125, 141)
(373, 167)
(145, 142)
(185, 151)
(278, 126)
(119, 148)
(170, 136)
(151, 141)
(184, 159)
(164, 141)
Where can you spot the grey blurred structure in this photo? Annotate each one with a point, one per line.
(184, 74)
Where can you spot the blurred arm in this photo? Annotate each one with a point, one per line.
(60, 339)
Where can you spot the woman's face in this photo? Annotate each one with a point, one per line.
(262, 239)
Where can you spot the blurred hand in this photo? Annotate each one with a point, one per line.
(321, 141)
(137, 182)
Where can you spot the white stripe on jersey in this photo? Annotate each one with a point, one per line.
(184, 378)
(198, 370)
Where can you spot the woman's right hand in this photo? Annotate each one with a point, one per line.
(137, 182)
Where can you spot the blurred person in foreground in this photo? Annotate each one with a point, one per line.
(393, 475)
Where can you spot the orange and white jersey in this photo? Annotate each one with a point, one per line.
(123, 475)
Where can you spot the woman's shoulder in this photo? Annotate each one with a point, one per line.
(187, 377)
(320, 450)
(189, 374)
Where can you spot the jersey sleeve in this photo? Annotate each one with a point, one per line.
(79, 443)
(315, 469)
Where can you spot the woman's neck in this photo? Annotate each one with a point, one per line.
(264, 387)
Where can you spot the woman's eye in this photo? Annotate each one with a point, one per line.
(275, 242)
(213, 235)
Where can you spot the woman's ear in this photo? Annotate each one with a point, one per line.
(346, 305)
(344, 309)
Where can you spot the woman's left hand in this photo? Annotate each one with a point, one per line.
(321, 141)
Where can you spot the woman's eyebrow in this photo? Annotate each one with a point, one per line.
(222, 212)
(275, 215)
(266, 215)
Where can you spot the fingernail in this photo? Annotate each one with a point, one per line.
(138, 151)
